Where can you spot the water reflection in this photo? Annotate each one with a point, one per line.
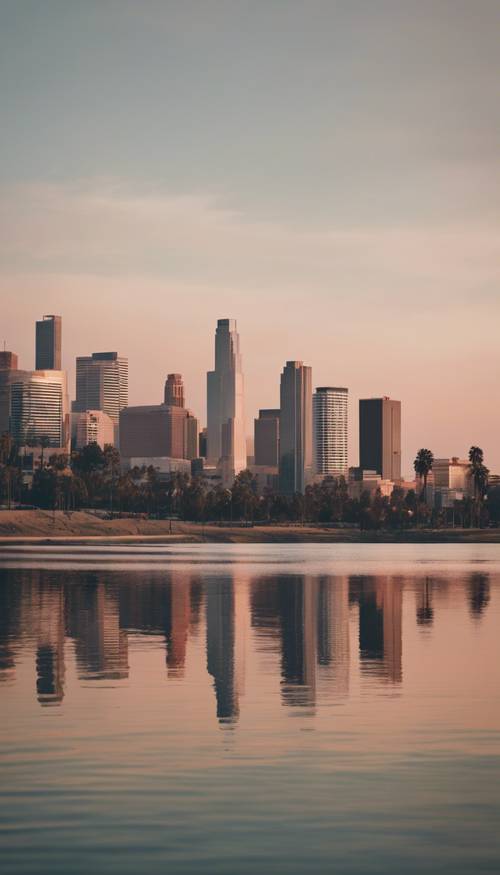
(303, 622)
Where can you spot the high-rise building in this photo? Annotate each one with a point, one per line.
(48, 344)
(174, 390)
(8, 361)
(154, 430)
(39, 408)
(267, 438)
(330, 431)
(158, 431)
(191, 426)
(93, 427)
(226, 442)
(202, 443)
(102, 384)
(380, 437)
(295, 459)
(34, 405)
(8, 367)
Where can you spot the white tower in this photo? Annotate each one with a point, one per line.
(330, 431)
(226, 444)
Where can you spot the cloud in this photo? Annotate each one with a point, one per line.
(101, 228)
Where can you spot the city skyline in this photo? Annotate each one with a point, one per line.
(354, 429)
(339, 198)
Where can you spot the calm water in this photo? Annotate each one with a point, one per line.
(250, 709)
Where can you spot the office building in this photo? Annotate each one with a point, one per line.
(8, 365)
(226, 443)
(267, 438)
(39, 408)
(174, 390)
(158, 431)
(8, 361)
(295, 456)
(380, 437)
(330, 431)
(452, 473)
(34, 405)
(155, 430)
(191, 426)
(202, 443)
(102, 384)
(48, 355)
(92, 427)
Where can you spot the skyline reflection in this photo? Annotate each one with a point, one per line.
(306, 623)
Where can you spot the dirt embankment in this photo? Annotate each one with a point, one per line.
(39, 525)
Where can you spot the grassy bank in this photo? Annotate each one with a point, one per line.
(39, 525)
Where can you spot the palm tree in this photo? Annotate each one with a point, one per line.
(479, 476)
(423, 463)
(44, 443)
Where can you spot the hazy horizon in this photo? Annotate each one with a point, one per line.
(327, 174)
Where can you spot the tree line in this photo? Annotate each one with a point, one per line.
(92, 478)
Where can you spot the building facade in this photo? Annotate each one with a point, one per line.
(226, 443)
(295, 457)
(174, 390)
(102, 384)
(158, 430)
(8, 361)
(93, 427)
(267, 438)
(330, 431)
(48, 353)
(39, 409)
(380, 437)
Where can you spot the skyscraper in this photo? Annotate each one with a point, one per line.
(267, 437)
(34, 405)
(154, 431)
(295, 461)
(39, 409)
(380, 437)
(330, 431)
(93, 427)
(174, 390)
(102, 384)
(48, 344)
(226, 444)
(8, 361)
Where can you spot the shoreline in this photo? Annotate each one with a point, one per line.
(80, 528)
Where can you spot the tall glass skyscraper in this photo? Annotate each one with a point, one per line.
(102, 384)
(380, 436)
(39, 408)
(330, 431)
(226, 444)
(295, 466)
(49, 344)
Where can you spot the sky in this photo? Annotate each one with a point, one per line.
(327, 173)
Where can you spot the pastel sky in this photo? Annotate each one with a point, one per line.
(328, 173)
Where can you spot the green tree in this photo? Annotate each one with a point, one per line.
(244, 498)
(479, 475)
(11, 480)
(423, 463)
(44, 443)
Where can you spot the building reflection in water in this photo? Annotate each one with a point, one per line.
(50, 644)
(479, 594)
(303, 621)
(380, 601)
(308, 620)
(425, 610)
(220, 624)
(93, 620)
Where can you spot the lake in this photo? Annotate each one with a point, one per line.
(227, 709)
